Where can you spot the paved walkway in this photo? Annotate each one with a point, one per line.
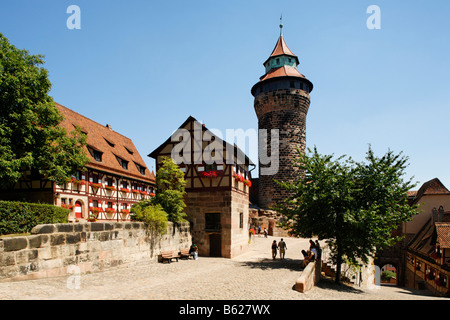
(250, 276)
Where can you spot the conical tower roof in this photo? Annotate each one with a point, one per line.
(280, 49)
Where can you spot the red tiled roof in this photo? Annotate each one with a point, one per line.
(443, 234)
(431, 187)
(281, 48)
(110, 143)
(282, 72)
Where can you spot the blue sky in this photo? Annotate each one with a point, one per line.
(144, 66)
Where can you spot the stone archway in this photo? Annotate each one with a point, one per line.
(387, 270)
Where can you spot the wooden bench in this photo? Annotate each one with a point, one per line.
(169, 255)
(184, 253)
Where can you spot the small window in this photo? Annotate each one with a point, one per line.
(278, 61)
(292, 84)
(95, 203)
(128, 150)
(212, 221)
(95, 179)
(124, 184)
(96, 154)
(241, 220)
(211, 167)
(109, 142)
(141, 169)
(123, 163)
(109, 182)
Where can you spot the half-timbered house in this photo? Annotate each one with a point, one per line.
(114, 179)
(217, 188)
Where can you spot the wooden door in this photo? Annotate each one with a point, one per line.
(78, 210)
(215, 245)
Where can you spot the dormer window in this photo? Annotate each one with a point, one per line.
(96, 154)
(122, 163)
(128, 150)
(141, 169)
(109, 142)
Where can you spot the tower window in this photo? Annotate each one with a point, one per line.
(292, 84)
(212, 221)
(278, 61)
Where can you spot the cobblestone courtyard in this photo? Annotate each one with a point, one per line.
(251, 276)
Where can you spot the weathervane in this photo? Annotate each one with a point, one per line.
(281, 25)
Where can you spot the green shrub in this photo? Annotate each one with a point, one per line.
(152, 215)
(21, 217)
(387, 275)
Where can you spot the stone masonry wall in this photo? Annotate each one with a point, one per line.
(53, 249)
(286, 111)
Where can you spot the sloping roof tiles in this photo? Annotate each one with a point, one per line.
(443, 234)
(110, 143)
(282, 72)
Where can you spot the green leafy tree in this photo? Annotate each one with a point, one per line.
(30, 135)
(170, 190)
(356, 206)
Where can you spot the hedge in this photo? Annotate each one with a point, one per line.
(21, 217)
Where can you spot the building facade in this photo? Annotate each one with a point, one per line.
(425, 248)
(114, 179)
(281, 102)
(217, 188)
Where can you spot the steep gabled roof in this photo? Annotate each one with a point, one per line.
(432, 187)
(237, 150)
(111, 144)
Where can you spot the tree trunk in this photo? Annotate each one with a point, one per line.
(338, 267)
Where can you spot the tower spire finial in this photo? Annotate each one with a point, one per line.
(281, 25)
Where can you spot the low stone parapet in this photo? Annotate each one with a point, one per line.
(309, 277)
(54, 249)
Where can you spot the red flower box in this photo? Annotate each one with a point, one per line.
(95, 185)
(125, 190)
(208, 174)
(95, 210)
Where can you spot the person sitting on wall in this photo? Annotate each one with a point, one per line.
(194, 251)
(309, 257)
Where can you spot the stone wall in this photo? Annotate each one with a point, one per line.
(286, 111)
(267, 219)
(53, 249)
(230, 237)
(309, 277)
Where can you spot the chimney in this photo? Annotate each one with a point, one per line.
(440, 217)
(108, 126)
(434, 215)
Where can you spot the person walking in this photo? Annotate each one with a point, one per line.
(282, 246)
(265, 233)
(274, 249)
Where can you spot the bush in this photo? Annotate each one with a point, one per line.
(387, 276)
(152, 215)
(21, 217)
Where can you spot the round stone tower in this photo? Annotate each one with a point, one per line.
(281, 102)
